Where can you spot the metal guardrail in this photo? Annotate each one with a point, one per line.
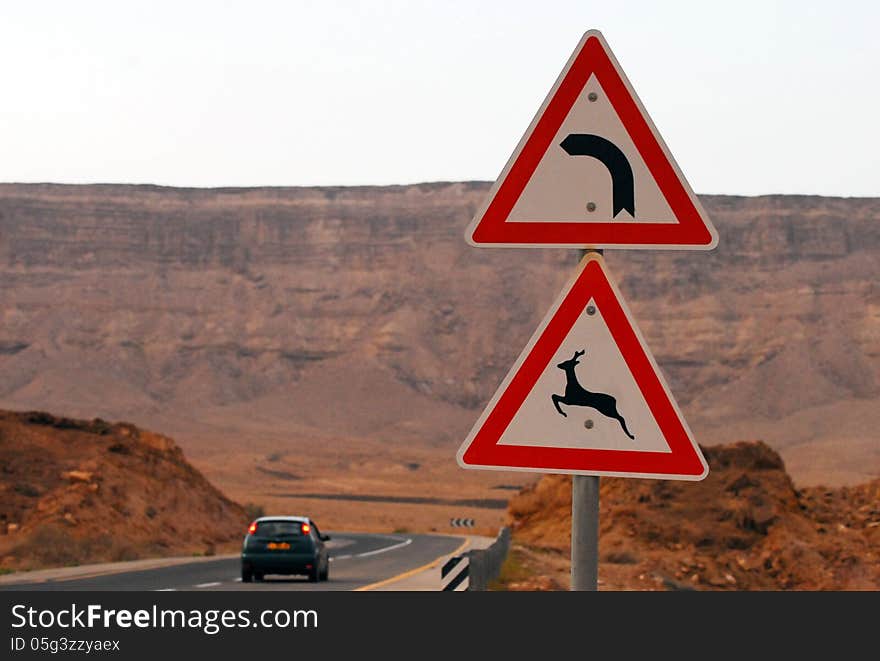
(485, 564)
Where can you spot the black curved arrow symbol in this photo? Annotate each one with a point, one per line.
(585, 144)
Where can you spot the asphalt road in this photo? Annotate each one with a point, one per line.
(356, 560)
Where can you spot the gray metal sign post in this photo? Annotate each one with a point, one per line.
(585, 525)
(584, 532)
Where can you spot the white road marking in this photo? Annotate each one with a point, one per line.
(405, 542)
(207, 585)
(238, 580)
(166, 590)
(400, 543)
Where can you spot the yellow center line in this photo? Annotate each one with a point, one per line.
(407, 574)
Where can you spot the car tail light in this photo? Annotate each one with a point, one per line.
(305, 528)
(252, 528)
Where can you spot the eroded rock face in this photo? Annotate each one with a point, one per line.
(79, 491)
(138, 302)
(744, 527)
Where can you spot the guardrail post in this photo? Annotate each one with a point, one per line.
(485, 564)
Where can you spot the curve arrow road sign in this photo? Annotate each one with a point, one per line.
(547, 196)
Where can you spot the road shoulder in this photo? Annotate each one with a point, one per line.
(427, 577)
(103, 569)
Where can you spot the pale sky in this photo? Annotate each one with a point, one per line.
(751, 97)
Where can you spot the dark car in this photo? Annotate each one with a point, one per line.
(284, 545)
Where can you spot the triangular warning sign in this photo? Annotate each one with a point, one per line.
(585, 397)
(592, 171)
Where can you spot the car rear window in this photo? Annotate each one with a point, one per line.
(279, 529)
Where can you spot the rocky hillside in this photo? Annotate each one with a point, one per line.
(76, 491)
(746, 527)
(360, 313)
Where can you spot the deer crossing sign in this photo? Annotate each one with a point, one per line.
(585, 397)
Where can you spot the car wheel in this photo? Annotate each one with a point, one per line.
(313, 575)
(246, 575)
(325, 575)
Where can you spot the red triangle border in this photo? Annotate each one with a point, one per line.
(683, 461)
(693, 230)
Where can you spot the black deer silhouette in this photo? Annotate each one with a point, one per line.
(577, 395)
